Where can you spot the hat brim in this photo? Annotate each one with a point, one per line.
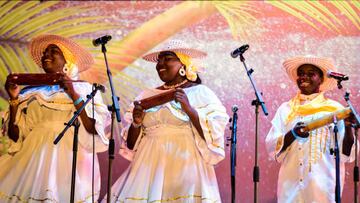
(193, 53)
(83, 58)
(324, 64)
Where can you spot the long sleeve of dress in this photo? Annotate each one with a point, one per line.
(101, 116)
(275, 138)
(124, 150)
(213, 120)
(8, 145)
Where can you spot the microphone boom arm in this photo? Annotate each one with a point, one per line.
(259, 97)
(76, 115)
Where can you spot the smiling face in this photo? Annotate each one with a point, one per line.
(309, 79)
(53, 59)
(168, 66)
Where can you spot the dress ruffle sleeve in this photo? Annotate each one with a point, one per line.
(213, 120)
(8, 146)
(102, 119)
(275, 138)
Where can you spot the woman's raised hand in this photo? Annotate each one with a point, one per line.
(138, 113)
(65, 82)
(181, 97)
(12, 89)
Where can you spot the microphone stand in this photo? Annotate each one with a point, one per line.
(356, 127)
(335, 152)
(115, 109)
(233, 129)
(337, 163)
(75, 122)
(257, 102)
(76, 125)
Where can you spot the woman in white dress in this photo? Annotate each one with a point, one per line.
(173, 147)
(34, 169)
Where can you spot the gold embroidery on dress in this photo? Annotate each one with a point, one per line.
(25, 200)
(209, 130)
(208, 126)
(165, 200)
(279, 144)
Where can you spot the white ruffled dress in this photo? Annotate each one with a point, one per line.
(170, 161)
(36, 170)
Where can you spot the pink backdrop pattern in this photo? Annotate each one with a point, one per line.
(280, 36)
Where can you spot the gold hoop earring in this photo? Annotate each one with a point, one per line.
(182, 71)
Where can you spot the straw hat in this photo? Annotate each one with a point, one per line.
(324, 64)
(71, 50)
(175, 46)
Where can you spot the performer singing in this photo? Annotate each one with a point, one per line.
(307, 172)
(34, 169)
(174, 146)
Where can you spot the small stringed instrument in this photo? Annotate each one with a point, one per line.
(158, 99)
(37, 78)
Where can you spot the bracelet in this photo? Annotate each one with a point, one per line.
(14, 102)
(296, 136)
(135, 125)
(78, 101)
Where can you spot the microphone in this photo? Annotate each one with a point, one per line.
(234, 108)
(337, 76)
(239, 50)
(101, 40)
(99, 87)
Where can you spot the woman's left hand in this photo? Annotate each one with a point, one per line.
(181, 97)
(65, 82)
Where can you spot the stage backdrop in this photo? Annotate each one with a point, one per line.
(274, 30)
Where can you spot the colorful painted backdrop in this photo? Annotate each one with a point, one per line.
(275, 30)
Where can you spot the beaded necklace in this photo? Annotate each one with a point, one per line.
(174, 86)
